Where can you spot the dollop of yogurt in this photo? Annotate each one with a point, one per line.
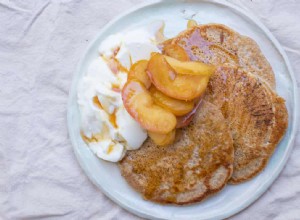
(106, 126)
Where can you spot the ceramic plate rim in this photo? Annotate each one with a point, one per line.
(270, 36)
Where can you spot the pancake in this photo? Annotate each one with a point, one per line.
(256, 116)
(198, 164)
(218, 44)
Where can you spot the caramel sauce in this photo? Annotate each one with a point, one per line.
(116, 88)
(110, 149)
(88, 140)
(113, 119)
(97, 102)
(114, 65)
(119, 66)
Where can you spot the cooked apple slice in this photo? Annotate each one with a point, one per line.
(162, 139)
(165, 79)
(185, 120)
(190, 67)
(138, 71)
(177, 107)
(139, 104)
(176, 51)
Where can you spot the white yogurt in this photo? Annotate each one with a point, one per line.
(110, 126)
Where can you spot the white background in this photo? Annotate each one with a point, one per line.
(40, 45)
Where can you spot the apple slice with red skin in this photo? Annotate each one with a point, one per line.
(140, 105)
(185, 120)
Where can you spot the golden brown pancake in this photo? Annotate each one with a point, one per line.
(256, 116)
(198, 164)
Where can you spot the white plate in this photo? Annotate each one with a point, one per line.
(232, 199)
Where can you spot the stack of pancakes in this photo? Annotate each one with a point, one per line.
(234, 132)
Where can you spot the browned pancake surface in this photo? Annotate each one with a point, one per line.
(256, 116)
(198, 164)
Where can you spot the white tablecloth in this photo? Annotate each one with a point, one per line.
(40, 45)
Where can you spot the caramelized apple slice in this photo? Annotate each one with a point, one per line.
(139, 104)
(177, 107)
(183, 87)
(138, 71)
(190, 67)
(162, 139)
(176, 51)
(185, 120)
